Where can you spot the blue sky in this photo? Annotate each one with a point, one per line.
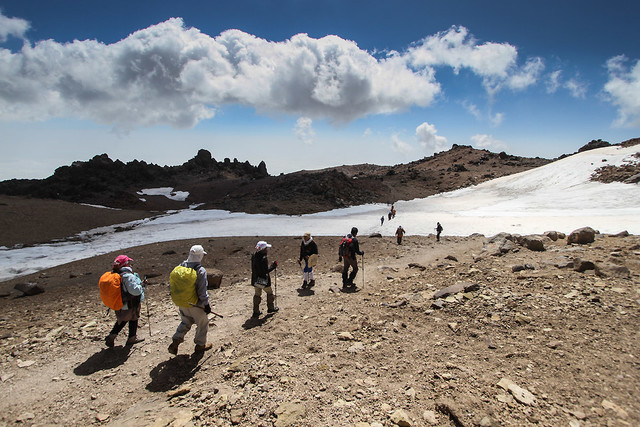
(311, 84)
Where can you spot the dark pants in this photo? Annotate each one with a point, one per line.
(133, 328)
(438, 236)
(399, 236)
(347, 279)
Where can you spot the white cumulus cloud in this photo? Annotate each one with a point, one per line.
(623, 89)
(496, 63)
(428, 137)
(304, 130)
(487, 142)
(401, 146)
(171, 74)
(15, 27)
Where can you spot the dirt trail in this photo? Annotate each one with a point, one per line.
(569, 339)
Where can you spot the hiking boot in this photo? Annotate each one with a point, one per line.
(273, 309)
(134, 340)
(110, 340)
(256, 314)
(271, 303)
(312, 283)
(304, 285)
(203, 348)
(173, 347)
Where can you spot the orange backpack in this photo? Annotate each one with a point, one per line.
(111, 290)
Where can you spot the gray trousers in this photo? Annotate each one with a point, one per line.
(189, 317)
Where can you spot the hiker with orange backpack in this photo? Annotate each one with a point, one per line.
(132, 289)
(189, 292)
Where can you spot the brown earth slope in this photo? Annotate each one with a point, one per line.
(567, 340)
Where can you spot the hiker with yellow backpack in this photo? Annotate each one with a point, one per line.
(188, 287)
(122, 290)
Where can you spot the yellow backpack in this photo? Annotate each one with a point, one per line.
(182, 281)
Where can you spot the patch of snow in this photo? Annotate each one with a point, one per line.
(167, 192)
(558, 196)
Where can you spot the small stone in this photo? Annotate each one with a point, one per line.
(522, 395)
(345, 336)
(430, 417)
(24, 364)
(102, 417)
(401, 418)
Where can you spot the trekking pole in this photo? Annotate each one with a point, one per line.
(147, 300)
(275, 287)
(362, 271)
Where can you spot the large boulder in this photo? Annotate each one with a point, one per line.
(214, 278)
(582, 236)
(533, 242)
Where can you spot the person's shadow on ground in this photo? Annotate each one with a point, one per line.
(107, 358)
(305, 292)
(174, 371)
(252, 322)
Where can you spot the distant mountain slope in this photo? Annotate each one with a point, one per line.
(236, 186)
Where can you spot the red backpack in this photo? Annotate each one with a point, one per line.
(345, 247)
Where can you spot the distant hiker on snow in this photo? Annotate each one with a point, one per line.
(189, 292)
(261, 280)
(382, 220)
(349, 248)
(438, 231)
(399, 233)
(132, 293)
(308, 253)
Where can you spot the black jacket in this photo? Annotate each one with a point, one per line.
(355, 247)
(306, 250)
(260, 267)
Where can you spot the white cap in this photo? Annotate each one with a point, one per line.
(262, 245)
(196, 253)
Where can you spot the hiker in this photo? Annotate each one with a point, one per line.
(382, 220)
(399, 233)
(308, 248)
(196, 309)
(438, 231)
(133, 295)
(261, 280)
(389, 215)
(349, 248)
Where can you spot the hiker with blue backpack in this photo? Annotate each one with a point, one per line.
(132, 294)
(188, 287)
(349, 248)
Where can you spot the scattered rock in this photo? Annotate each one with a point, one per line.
(607, 404)
(418, 266)
(454, 289)
(451, 258)
(522, 395)
(448, 407)
(345, 336)
(430, 417)
(29, 289)
(289, 414)
(581, 266)
(178, 392)
(214, 278)
(401, 418)
(532, 242)
(582, 236)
